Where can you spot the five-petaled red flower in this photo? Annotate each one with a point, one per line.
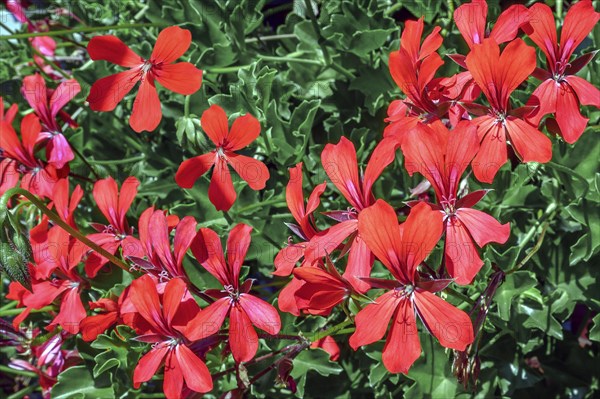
(498, 75)
(244, 309)
(164, 323)
(561, 92)
(244, 131)
(442, 156)
(401, 248)
(183, 77)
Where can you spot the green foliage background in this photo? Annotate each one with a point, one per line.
(310, 82)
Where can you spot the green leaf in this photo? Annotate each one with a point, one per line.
(514, 285)
(77, 382)
(314, 360)
(594, 334)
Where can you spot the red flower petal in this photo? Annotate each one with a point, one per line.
(508, 23)
(462, 260)
(286, 259)
(175, 290)
(144, 296)
(483, 227)
(262, 314)
(568, 115)
(470, 20)
(215, 125)
(403, 338)
(148, 364)
(579, 22)
(378, 227)
(327, 241)
(243, 339)
(340, 164)
(64, 93)
(237, 246)
(221, 192)
(195, 373)
(541, 29)
(191, 169)
(209, 320)
(71, 311)
(173, 381)
(531, 144)
(244, 131)
(587, 93)
(451, 326)
(360, 262)
(183, 77)
(253, 171)
(146, 113)
(492, 153)
(208, 250)
(372, 321)
(107, 92)
(172, 43)
(110, 48)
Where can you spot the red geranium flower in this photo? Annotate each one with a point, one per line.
(442, 157)
(18, 157)
(287, 258)
(561, 92)
(244, 131)
(471, 21)
(117, 234)
(183, 77)
(162, 262)
(413, 67)
(401, 248)
(498, 75)
(47, 105)
(165, 322)
(244, 309)
(322, 288)
(341, 165)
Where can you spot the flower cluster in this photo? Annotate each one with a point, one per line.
(359, 260)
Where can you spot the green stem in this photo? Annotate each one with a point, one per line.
(459, 295)
(51, 64)
(186, 106)
(271, 37)
(9, 305)
(23, 392)
(272, 201)
(118, 161)
(572, 173)
(14, 312)
(78, 30)
(10, 370)
(225, 69)
(393, 8)
(58, 221)
(330, 331)
(85, 161)
(533, 250)
(288, 59)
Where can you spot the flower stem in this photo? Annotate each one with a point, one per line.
(85, 29)
(10, 370)
(17, 311)
(59, 222)
(330, 331)
(288, 59)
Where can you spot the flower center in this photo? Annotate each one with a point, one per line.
(146, 66)
(232, 292)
